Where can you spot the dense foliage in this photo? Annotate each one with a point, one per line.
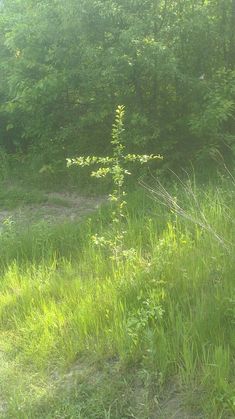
(65, 66)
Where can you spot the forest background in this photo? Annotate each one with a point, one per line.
(128, 312)
(65, 67)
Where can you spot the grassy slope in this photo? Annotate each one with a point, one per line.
(85, 337)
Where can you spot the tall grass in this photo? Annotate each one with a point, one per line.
(85, 336)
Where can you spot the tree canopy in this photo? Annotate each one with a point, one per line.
(65, 66)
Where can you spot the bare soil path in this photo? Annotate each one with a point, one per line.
(58, 207)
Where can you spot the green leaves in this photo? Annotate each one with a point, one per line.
(159, 58)
(115, 167)
(88, 161)
(215, 121)
(142, 158)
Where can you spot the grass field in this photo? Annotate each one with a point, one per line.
(150, 335)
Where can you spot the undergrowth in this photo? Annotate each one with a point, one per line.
(86, 336)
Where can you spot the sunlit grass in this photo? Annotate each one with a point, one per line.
(166, 313)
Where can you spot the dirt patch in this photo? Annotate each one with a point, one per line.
(174, 404)
(58, 207)
(128, 393)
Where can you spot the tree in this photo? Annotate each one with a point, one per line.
(169, 62)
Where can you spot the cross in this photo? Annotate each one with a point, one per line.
(115, 166)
